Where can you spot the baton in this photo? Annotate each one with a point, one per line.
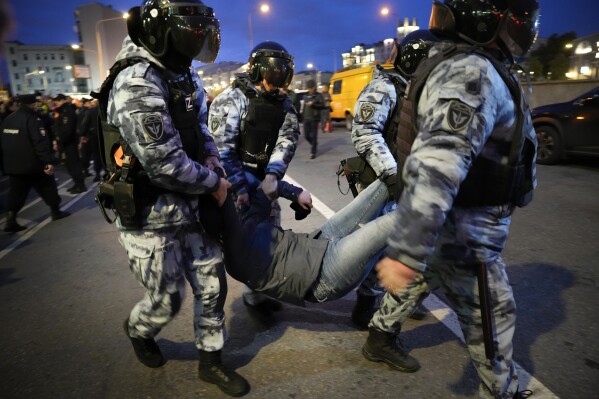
(485, 310)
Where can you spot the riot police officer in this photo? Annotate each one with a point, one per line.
(166, 159)
(27, 159)
(374, 129)
(469, 161)
(256, 130)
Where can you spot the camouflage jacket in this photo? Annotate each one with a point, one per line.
(463, 103)
(227, 112)
(374, 107)
(138, 107)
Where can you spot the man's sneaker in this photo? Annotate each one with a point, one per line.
(363, 310)
(214, 372)
(146, 349)
(383, 347)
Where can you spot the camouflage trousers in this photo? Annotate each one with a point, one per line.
(161, 261)
(498, 376)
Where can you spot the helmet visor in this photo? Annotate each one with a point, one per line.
(522, 27)
(195, 31)
(278, 72)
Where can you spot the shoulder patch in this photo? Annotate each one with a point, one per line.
(214, 124)
(459, 115)
(367, 111)
(153, 126)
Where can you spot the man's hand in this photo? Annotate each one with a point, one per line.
(305, 199)
(220, 195)
(242, 200)
(269, 186)
(49, 170)
(213, 162)
(394, 275)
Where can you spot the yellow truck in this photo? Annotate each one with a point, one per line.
(345, 87)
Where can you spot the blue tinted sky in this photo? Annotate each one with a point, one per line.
(315, 31)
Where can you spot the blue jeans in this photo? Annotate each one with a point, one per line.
(353, 250)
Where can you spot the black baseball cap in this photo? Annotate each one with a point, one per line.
(60, 97)
(28, 99)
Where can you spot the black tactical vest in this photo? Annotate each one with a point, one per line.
(488, 183)
(182, 109)
(260, 128)
(391, 126)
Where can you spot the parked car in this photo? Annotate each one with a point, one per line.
(567, 128)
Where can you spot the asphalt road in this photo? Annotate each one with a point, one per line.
(65, 289)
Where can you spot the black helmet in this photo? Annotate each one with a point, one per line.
(481, 22)
(189, 26)
(271, 61)
(411, 50)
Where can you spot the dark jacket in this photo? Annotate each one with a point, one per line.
(313, 112)
(277, 262)
(89, 123)
(65, 127)
(24, 144)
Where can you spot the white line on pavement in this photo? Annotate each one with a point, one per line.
(448, 317)
(31, 231)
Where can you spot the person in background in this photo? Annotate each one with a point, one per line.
(65, 129)
(26, 158)
(313, 104)
(256, 129)
(325, 114)
(90, 146)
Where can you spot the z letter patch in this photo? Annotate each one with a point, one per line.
(366, 112)
(153, 126)
(459, 115)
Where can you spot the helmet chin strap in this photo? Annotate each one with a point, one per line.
(505, 50)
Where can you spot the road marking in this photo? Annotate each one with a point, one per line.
(448, 317)
(38, 199)
(26, 234)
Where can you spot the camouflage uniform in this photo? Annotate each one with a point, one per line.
(374, 107)
(227, 114)
(463, 103)
(172, 245)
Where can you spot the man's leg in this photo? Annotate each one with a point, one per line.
(74, 168)
(18, 188)
(206, 275)
(46, 188)
(498, 376)
(384, 327)
(155, 260)
(314, 136)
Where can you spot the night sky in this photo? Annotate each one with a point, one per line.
(314, 31)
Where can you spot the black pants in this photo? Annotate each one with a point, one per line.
(311, 132)
(73, 162)
(19, 186)
(90, 151)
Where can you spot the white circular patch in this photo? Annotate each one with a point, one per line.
(154, 12)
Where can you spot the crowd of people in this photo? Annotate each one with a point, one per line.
(446, 133)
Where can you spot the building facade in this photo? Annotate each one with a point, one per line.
(322, 78)
(41, 69)
(584, 62)
(217, 77)
(101, 31)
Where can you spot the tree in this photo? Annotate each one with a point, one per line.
(552, 57)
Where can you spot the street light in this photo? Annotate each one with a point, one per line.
(264, 9)
(99, 41)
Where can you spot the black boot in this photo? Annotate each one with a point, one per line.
(383, 347)
(146, 349)
(419, 313)
(523, 394)
(212, 370)
(58, 214)
(11, 225)
(363, 310)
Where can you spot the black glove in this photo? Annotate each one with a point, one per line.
(394, 186)
(300, 213)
